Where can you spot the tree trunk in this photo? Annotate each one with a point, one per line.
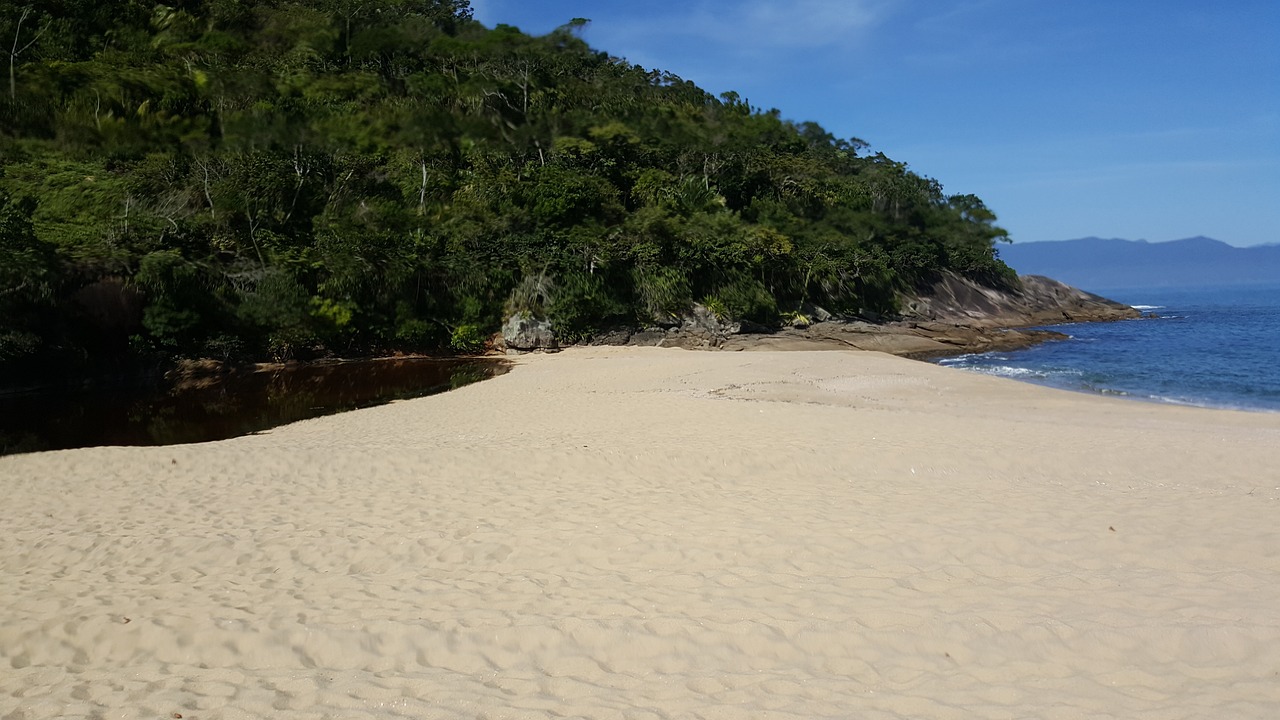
(422, 191)
(13, 54)
(14, 51)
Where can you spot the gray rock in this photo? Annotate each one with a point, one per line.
(702, 322)
(815, 313)
(620, 336)
(666, 320)
(648, 338)
(685, 341)
(1035, 301)
(525, 332)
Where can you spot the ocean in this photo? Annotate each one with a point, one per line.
(1208, 347)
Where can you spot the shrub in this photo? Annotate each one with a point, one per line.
(416, 333)
(744, 298)
(582, 303)
(663, 292)
(466, 338)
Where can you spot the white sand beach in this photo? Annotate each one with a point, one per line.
(650, 533)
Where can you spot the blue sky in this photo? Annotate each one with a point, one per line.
(1117, 118)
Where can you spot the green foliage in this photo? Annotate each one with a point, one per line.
(466, 338)
(583, 304)
(532, 296)
(285, 178)
(29, 263)
(983, 265)
(717, 307)
(561, 198)
(335, 313)
(664, 292)
(170, 325)
(743, 297)
(180, 312)
(276, 315)
(413, 333)
(27, 276)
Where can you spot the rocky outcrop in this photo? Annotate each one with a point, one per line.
(957, 315)
(701, 328)
(917, 340)
(1040, 301)
(698, 329)
(952, 317)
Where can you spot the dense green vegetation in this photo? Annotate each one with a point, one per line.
(243, 178)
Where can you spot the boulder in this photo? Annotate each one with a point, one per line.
(811, 314)
(522, 331)
(701, 321)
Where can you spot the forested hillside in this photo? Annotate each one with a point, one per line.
(258, 179)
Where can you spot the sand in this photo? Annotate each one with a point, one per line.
(649, 533)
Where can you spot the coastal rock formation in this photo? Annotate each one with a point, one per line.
(953, 316)
(909, 339)
(1040, 301)
(699, 329)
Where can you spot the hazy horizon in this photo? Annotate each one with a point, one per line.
(1145, 240)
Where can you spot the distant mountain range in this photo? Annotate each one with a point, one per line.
(1100, 264)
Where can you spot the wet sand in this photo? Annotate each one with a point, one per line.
(651, 533)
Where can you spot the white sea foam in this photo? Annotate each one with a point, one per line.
(1147, 307)
(1010, 372)
(1182, 401)
(1211, 404)
(965, 359)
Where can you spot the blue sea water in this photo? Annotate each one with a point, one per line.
(1210, 347)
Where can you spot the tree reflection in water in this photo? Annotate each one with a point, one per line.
(221, 407)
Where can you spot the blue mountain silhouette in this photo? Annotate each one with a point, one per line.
(1097, 263)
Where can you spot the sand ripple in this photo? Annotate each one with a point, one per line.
(659, 534)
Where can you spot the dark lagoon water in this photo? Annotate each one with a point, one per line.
(1210, 347)
(221, 407)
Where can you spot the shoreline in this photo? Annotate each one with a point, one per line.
(1122, 395)
(926, 342)
(611, 532)
(954, 316)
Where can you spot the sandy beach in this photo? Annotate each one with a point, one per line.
(656, 533)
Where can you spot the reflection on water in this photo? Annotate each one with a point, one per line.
(221, 407)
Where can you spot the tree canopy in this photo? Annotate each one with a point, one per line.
(274, 178)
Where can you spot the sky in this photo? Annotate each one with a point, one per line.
(1136, 119)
